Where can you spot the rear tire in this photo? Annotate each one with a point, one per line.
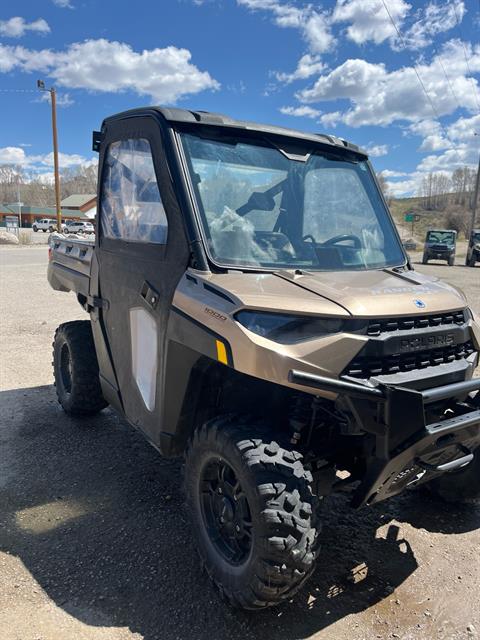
(471, 262)
(462, 486)
(262, 558)
(75, 369)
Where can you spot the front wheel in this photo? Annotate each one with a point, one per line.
(253, 510)
(462, 486)
(34, 229)
(425, 259)
(451, 261)
(75, 369)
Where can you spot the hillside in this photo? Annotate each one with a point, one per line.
(452, 216)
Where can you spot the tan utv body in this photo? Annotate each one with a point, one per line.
(252, 309)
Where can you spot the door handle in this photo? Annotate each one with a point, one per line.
(150, 295)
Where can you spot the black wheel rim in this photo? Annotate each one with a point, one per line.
(66, 369)
(225, 511)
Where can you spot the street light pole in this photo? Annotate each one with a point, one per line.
(53, 102)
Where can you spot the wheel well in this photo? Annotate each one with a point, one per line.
(214, 389)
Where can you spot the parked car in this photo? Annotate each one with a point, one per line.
(79, 226)
(440, 244)
(240, 316)
(473, 251)
(409, 245)
(46, 224)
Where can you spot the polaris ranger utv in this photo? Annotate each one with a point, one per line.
(252, 309)
(440, 244)
(473, 249)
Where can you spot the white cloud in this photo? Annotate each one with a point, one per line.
(63, 99)
(462, 151)
(102, 65)
(331, 119)
(368, 19)
(433, 135)
(17, 27)
(65, 160)
(435, 18)
(408, 187)
(388, 173)
(313, 24)
(307, 66)
(301, 112)
(40, 163)
(376, 150)
(12, 155)
(63, 4)
(379, 97)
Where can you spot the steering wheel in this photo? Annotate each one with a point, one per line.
(357, 243)
(309, 237)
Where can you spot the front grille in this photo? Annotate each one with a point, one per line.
(377, 327)
(366, 367)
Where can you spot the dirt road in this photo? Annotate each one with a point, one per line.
(95, 542)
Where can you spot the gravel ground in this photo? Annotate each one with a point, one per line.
(95, 542)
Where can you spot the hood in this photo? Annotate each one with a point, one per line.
(385, 292)
(382, 293)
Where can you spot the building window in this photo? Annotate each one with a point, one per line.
(131, 206)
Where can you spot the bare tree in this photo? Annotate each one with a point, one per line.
(382, 181)
(34, 190)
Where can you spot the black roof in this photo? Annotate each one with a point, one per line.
(173, 114)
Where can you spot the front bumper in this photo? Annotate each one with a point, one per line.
(408, 448)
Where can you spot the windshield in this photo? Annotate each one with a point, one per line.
(261, 209)
(441, 237)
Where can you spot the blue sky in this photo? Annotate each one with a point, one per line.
(337, 66)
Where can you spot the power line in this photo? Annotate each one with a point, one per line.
(470, 74)
(417, 73)
(19, 90)
(450, 86)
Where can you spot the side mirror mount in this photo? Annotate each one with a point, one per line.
(259, 201)
(96, 140)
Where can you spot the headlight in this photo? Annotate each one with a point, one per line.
(288, 329)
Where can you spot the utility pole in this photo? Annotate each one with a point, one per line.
(475, 198)
(19, 203)
(53, 102)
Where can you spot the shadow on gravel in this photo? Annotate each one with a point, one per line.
(424, 510)
(97, 518)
